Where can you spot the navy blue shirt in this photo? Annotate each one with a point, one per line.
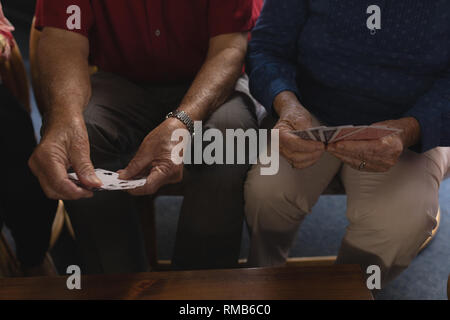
(345, 73)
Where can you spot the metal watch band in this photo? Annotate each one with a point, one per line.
(183, 117)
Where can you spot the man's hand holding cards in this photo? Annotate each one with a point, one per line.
(110, 181)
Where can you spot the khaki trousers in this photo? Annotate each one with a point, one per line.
(390, 214)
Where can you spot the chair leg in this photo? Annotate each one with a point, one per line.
(58, 224)
(148, 221)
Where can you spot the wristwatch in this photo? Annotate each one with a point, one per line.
(183, 117)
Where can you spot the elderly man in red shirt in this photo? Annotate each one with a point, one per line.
(156, 58)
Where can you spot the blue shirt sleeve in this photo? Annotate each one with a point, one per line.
(432, 111)
(272, 57)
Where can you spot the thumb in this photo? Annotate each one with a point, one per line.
(135, 167)
(84, 169)
(331, 147)
(155, 180)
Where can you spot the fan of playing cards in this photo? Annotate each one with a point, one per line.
(111, 181)
(346, 133)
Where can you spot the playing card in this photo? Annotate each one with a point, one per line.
(371, 133)
(317, 133)
(328, 133)
(305, 135)
(111, 181)
(344, 131)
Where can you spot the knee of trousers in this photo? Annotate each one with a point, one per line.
(100, 135)
(107, 149)
(393, 235)
(271, 208)
(236, 113)
(234, 117)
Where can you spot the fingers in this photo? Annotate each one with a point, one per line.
(378, 155)
(294, 143)
(67, 190)
(52, 175)
(83, 167)
(300, 153)
(350, 147)
(64, 188)
(301, 160)
(159, 176)
(349, 152)
(140, 162)
(356, 163)
(154, 181)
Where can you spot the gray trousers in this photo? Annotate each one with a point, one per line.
(107, 227)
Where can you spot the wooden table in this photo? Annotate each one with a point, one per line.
(289, 283)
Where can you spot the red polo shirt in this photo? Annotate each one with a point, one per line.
(159, 41)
